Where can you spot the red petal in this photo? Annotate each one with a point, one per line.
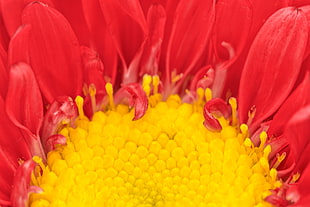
(24, 105)
(120, 20)
(11, 139)
(101, 40)
(146, 59)
(215, 106)
(203, 78)
(297, 133)
(190, 33)
(299, 98)
(273, 64)
(62, 110)
(231, 28)
(73, 12)
(3, 72)
(19, 40)
(21, 188)
(93, 69)
(138, 98)
(303, 188)
(23, 89)
(11, 11)
(134, 10)
(54, 52)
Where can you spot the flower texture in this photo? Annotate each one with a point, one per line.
(154, 103)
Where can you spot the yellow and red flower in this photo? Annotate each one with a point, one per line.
(152, 69)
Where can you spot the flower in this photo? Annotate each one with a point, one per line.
(178, 64)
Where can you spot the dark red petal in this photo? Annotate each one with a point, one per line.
(138, 98)
(61, 111)
(231, 28)
(120, 20)
(100, 37)
(215, 106)
(297, 133)
(21, 188)
(146, 59)
(3, 72)
(73, 12)
(299, 2)
(303, 189)
(134, 10)
(54, 52)
(190, 33)
(93, 69)
(203, 78)
(11, 11)
(299, 98)
(273, 64)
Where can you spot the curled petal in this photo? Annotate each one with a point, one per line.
(218, 107)
(62, 110)
(203, 78)
(269, 76)
(54, 140)
(138, 98)
(21, 188)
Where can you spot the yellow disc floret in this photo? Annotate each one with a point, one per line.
(166, 158)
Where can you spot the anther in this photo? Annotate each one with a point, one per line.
(280, 158)
(92, 94)
(109, 89)
(233, 105)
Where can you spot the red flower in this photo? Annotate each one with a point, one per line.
(51, 51)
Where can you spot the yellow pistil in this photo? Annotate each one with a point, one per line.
(166, 158)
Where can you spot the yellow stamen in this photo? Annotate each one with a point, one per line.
(109, 89)
(147, 80)
(156, 82)
(233, 104)
(92, 94)
(280, 158)
(80, 102)
(208, 94)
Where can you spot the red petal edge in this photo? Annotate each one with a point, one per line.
(218, 106)
(62, 110)
(138, 98)
(21, 188)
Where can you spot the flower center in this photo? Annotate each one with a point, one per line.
(166, 158)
